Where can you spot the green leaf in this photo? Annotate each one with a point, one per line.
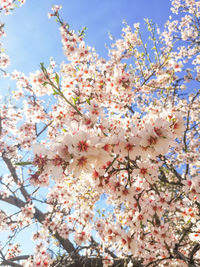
(23, 163)
(42, 65)
(57, 78)
(75, 99)
(45, 83)
(87, 100)
(55, 92)
(82, 32)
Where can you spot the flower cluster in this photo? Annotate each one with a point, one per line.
(115, 144)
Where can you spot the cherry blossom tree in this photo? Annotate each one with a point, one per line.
(101, 156)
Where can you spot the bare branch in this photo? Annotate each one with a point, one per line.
(11, 261)
(13, 172)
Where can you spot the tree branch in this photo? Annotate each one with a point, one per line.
(13, 172)
(40, 217)
(11, 261)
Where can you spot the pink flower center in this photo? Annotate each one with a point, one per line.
(82, 161)
(82, 146)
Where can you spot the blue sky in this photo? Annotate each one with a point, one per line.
(33, 38)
